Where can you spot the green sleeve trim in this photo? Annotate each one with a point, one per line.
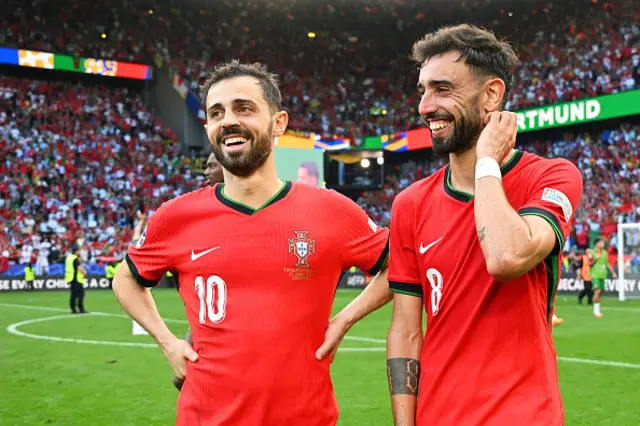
(406, 292)
(551, 219)
(551, 263)
(409, 289)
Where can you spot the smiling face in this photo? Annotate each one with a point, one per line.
(240, 125)
(450, 103)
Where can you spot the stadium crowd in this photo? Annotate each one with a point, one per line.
(78, 161)
(333, 84)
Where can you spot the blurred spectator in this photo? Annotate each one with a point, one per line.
(77, 160)
(344, 64)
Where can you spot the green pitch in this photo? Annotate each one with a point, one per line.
(72, 382)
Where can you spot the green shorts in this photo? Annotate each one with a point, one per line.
(598, 283)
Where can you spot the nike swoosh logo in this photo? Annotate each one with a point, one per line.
(199, 255)
(423, 250)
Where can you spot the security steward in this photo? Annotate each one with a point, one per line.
(29, 276)
(111, 270)
(74, 274)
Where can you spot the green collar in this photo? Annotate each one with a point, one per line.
(466, 197)
(243, 208)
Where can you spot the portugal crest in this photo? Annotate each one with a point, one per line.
(302, 247)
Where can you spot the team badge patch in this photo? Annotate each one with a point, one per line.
(143, 237)
(556, 197)
(302, 247)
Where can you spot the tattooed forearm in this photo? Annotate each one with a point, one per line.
(404, 376)
(482, 232)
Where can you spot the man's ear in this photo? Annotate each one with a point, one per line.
(281, 120)
(493, 94)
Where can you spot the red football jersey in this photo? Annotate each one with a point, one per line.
(258, 288)
(488, 356)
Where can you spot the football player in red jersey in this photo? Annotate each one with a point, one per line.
(213, 175)
(476, 245)
(258, 261)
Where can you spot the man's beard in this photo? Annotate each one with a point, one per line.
(244, 164)
(466, 131)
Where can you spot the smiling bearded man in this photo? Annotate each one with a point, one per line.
(477, 246)
(237, 160)
(257, 272)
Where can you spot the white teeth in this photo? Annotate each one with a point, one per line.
(235, 140)
(437, 125)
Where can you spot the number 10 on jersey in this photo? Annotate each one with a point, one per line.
(213, 299)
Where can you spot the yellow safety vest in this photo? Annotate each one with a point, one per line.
(112, 270)
(69, 270)
(29, 274)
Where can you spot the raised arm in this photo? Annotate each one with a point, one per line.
(512, 245)
(404, 344)
(514, 242)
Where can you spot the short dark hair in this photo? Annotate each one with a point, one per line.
(480, 48)
(268, 81)
(311, 167)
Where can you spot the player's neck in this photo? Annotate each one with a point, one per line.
(463, 169)
(255, 190)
